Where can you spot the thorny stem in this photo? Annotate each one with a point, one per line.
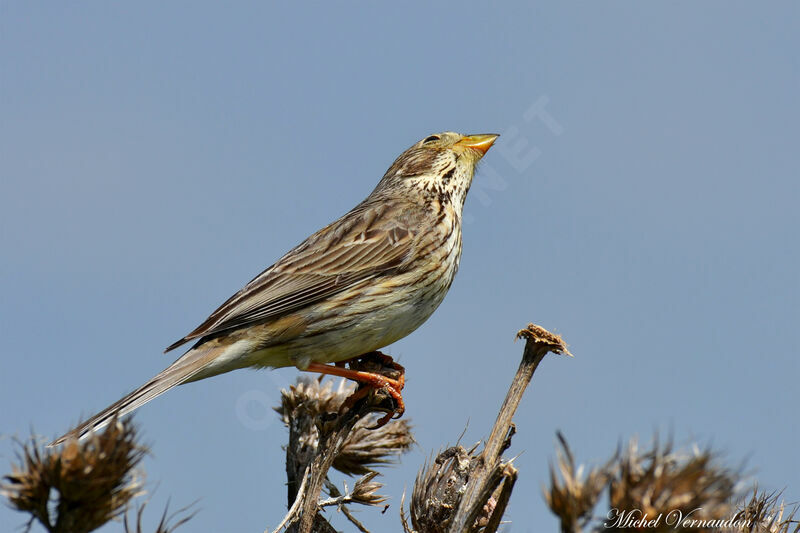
(487, 474)
(333, 431)
(291, 516)
(330, 444)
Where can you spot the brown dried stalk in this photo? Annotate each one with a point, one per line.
(320, 439)
(461, 491)
(489, 472)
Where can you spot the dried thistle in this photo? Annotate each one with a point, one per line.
(308, 409)
(364, 492)
(762, 513)
(312, 397)
(364, 448)
(661, 481)
(572, 498)
(661, 489)
(80, 486)
(438, 489)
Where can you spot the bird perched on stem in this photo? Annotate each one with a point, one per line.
(357, 285)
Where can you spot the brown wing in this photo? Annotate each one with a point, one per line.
(370, 240)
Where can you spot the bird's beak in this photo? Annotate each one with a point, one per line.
(480, 143)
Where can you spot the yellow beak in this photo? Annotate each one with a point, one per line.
(480, 143)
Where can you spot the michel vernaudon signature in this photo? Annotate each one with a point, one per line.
(635, 518)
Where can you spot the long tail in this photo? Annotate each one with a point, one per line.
(182, 370)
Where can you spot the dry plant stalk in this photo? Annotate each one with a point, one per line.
(320, 439)
(461, 491)
(91, 482)
(438, 490)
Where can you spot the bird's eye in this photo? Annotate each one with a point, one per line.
(431, 139)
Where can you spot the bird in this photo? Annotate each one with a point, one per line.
(359, 284)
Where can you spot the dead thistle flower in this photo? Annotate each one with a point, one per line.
(660, 489)
(438, 489)
(364, 448)
(80, 486)
(312, 397)
(762, 513)
(365, 492)
(662, 481)
(573, 498)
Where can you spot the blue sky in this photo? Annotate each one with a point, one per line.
(642, 202)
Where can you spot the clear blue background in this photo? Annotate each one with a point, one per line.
(154, 157)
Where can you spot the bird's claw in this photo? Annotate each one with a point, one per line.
(373, 371)
(386, 376)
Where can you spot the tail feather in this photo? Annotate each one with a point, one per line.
(182, 370)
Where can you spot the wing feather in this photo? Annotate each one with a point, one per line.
(371, 240)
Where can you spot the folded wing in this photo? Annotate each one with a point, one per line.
(371, 240)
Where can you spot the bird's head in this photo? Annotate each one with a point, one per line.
(441, 165)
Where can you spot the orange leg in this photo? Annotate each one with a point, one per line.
(372, 381)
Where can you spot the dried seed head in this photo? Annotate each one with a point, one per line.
(364, 448)
(661, 480)
(573, 498)
(312, 397)
(80, 486)
(763, 513)
(366, 490)
(438, 490)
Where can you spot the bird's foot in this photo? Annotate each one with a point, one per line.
(391, 379)
(374, 372)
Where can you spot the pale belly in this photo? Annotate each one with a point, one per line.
(382, 316)
(356, 321)
(385, 312)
